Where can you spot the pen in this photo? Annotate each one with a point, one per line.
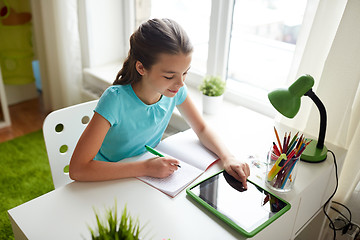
(153, 151)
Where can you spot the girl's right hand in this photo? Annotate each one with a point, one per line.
(160, 167)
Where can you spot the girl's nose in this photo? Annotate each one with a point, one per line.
(181, 81)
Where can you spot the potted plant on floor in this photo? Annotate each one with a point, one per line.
(212, 88)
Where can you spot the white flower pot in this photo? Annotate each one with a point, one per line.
(211, 104)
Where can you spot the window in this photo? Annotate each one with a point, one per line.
(263, 40)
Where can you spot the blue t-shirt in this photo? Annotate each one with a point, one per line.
(134, 124)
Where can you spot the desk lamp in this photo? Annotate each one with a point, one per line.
(287, 102)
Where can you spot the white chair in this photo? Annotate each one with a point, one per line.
(62, 130)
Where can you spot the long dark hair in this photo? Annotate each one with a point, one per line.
(152, 38)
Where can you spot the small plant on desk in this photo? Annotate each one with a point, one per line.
(212, 86)
(212, 89)
(125, 228)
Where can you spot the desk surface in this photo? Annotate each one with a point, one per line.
(66, 212)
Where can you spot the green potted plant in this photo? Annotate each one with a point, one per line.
(123, 228)
(212, 88)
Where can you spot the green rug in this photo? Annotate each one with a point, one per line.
(24, 175)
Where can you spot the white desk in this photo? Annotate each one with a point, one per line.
(66, 212)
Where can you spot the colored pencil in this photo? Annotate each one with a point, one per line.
(301, 151)
(275, 149)
(284, 144)
(299, 142)
(291, 154)
(292, 146)
(278, 139)
(288, 175)
(288, 141)
(293, 140)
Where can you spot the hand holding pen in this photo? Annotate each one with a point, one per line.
(160, 166)
(153, 151)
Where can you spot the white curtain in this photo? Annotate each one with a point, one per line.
(58, 48)
(332, 57)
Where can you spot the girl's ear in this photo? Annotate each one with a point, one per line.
(140, 68)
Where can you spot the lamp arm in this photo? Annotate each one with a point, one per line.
(323, 118)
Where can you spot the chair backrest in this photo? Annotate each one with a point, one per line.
(62, 130)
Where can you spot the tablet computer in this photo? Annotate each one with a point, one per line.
(247, 211)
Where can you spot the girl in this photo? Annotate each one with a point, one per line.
(136, 110)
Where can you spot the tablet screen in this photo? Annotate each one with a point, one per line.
(250, 209)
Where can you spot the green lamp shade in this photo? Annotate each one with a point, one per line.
(285, 103)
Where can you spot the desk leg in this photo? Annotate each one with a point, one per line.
(18, 234)
(325, 222)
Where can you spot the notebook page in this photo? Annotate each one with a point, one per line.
(185, 146)
(176, 182)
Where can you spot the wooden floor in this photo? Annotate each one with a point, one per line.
(26, 117)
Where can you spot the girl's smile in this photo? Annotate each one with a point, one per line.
(173, 91)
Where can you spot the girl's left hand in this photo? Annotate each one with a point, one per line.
(239, 170)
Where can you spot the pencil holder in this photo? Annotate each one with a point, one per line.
(281, 171)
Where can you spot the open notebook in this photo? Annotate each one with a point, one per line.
(194, 159)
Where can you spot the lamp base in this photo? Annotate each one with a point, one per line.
(313, 154)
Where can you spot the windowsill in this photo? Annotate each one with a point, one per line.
(97, 79)
(249, 97)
